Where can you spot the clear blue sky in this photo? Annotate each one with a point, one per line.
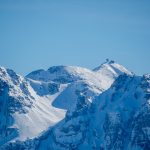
(38, 34)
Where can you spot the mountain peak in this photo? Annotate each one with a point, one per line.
(108, 61)
(2, 70)
(71, 102)
(110, 67)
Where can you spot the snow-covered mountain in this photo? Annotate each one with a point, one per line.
(68, 107)
(23, 113)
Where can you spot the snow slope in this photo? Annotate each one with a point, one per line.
(52, 106)
(24, 114)
(117, 119)
(109, 70)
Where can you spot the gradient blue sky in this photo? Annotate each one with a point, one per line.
(38, 34)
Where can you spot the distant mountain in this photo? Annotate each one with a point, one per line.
(68, 108)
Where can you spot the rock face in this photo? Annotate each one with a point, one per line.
(120, 108)
(73, 108)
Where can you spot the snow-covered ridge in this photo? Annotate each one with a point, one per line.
(111, 68)
(17, 88)
(61, 74)
(46, 96)
(105, 73)
(23, 113)
(117, 119)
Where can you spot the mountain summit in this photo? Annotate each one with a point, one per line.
(69, 107)
(110, 67)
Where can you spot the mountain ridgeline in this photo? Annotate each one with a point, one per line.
(74, 108)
